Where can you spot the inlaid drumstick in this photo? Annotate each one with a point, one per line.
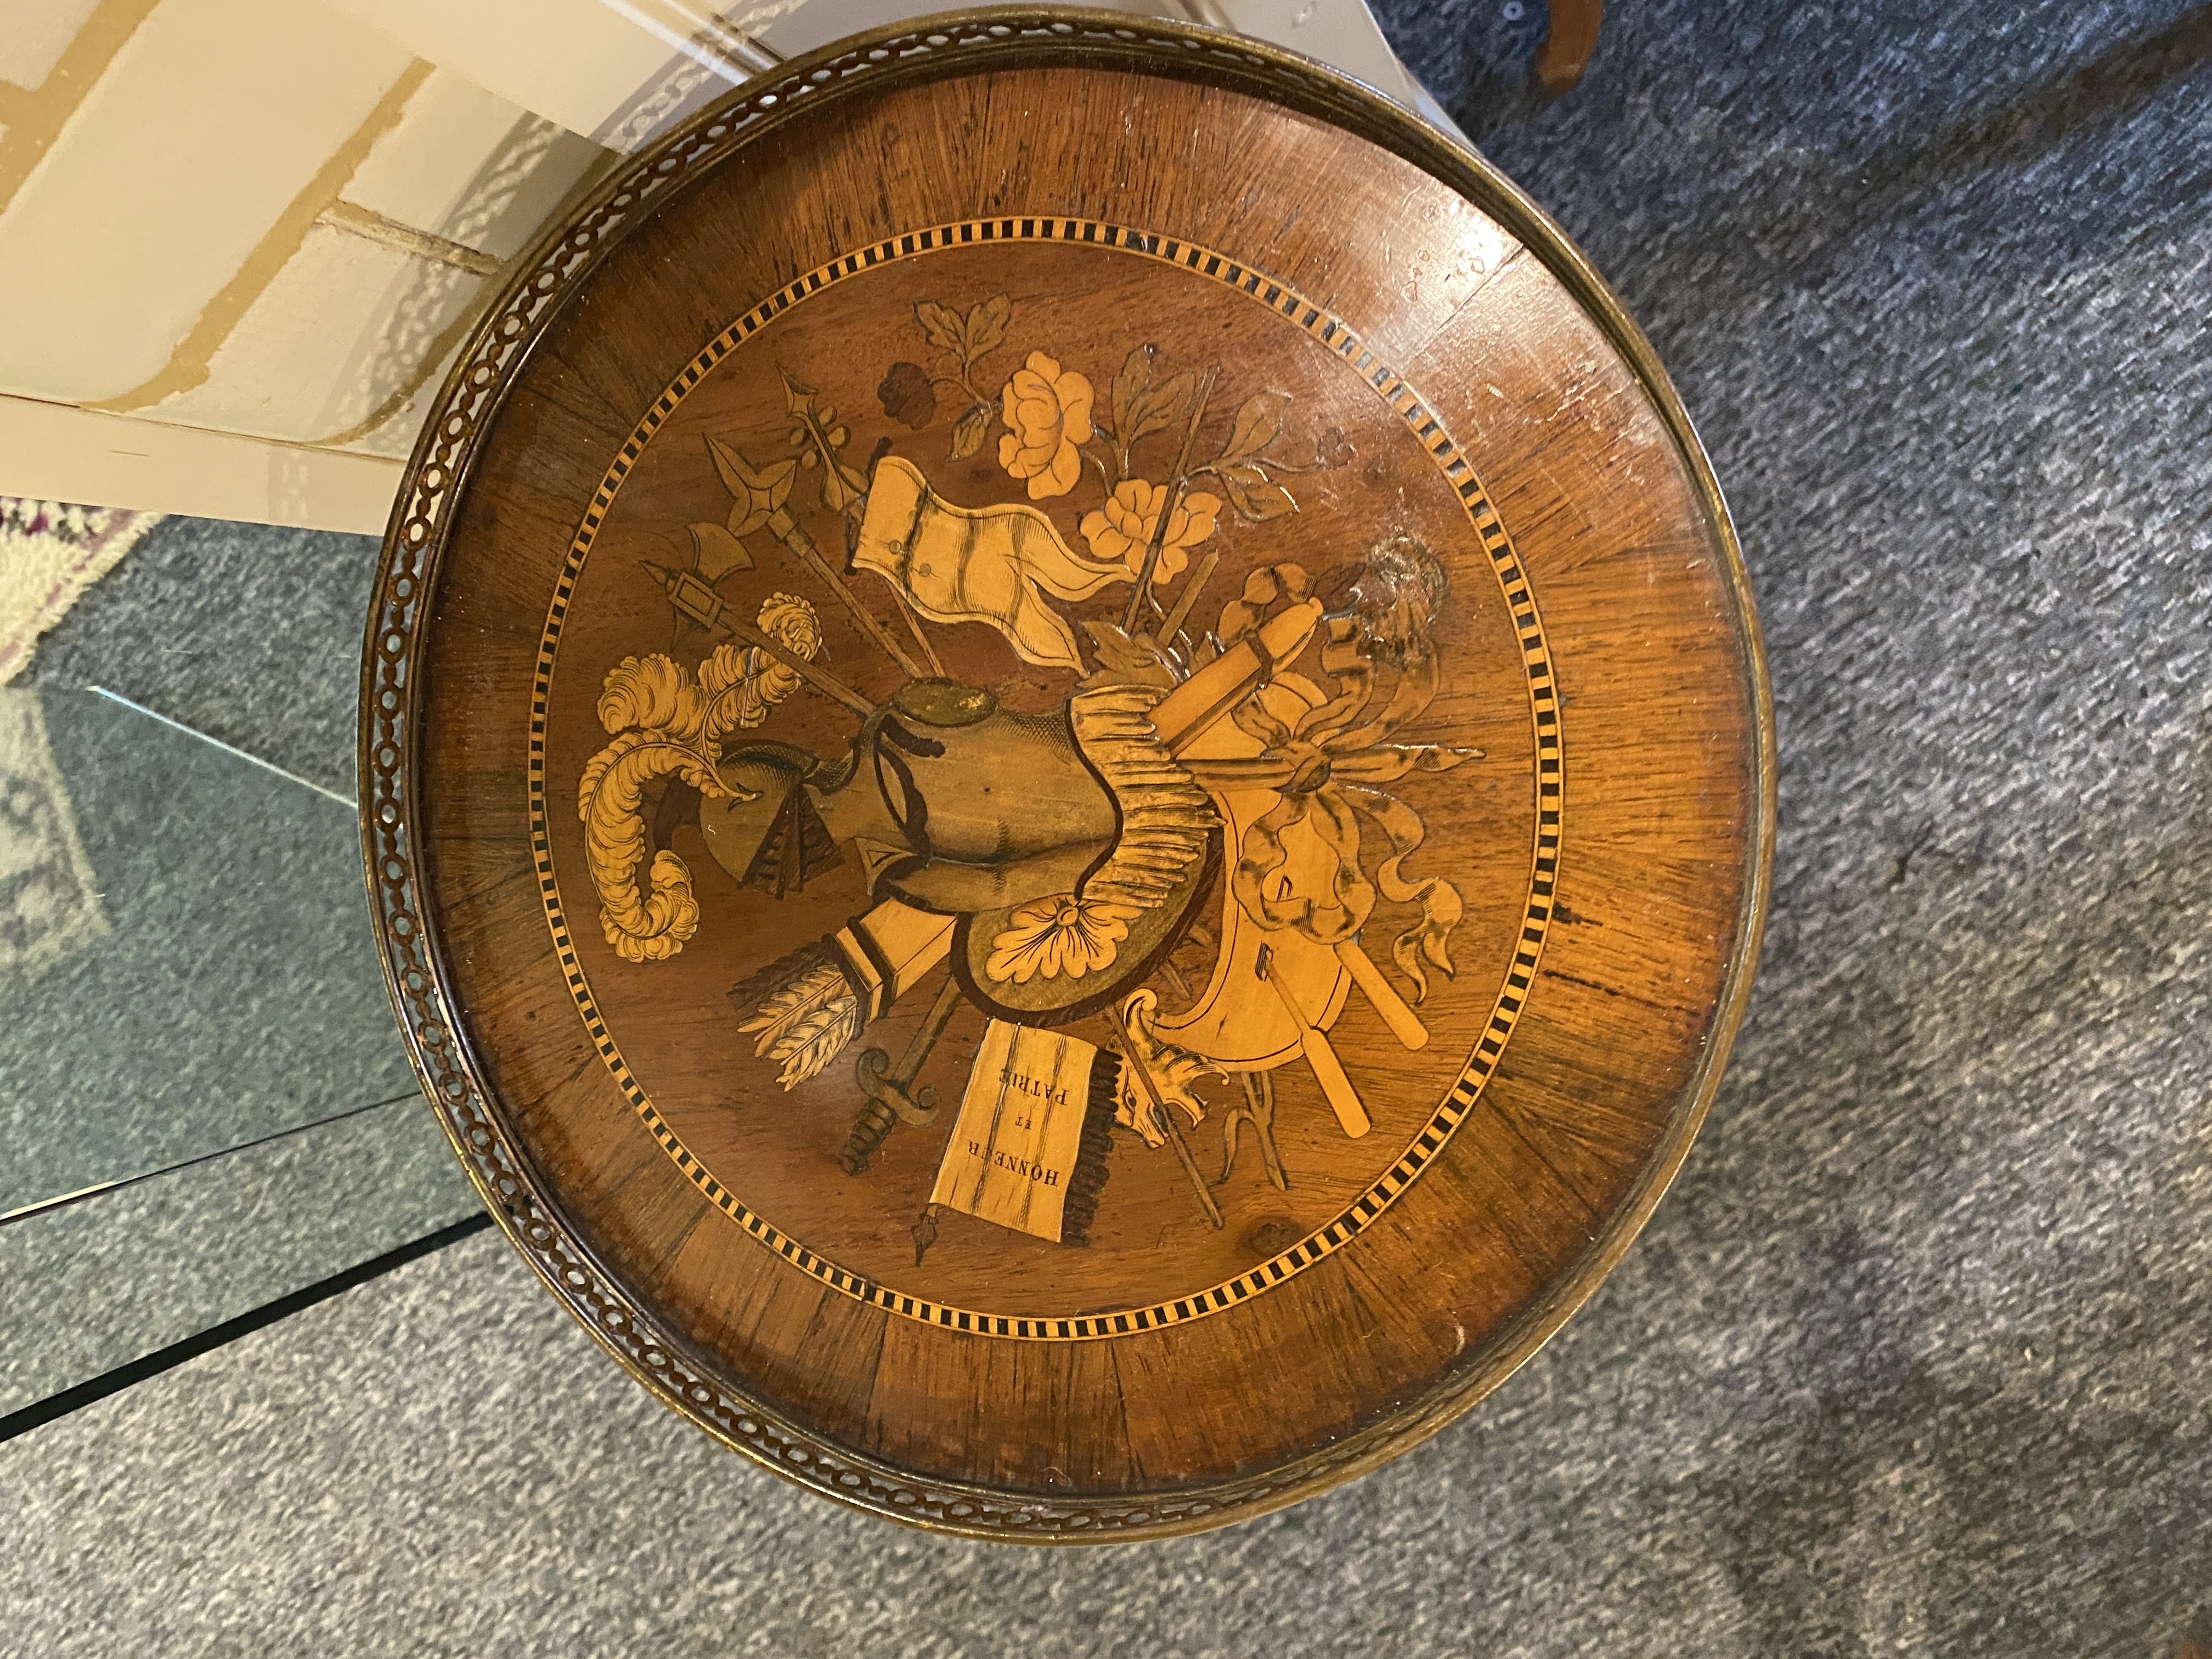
(1191, 590)
(1405, 1024)
(1343, 1099)
(1178, 483)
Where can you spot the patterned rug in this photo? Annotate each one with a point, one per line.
(50, 898)
(50, 553)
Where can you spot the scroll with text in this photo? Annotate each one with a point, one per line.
(1028, 1148)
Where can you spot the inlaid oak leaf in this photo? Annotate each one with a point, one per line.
(942, 326)
(1259, 421)
(969, 431)
(985, 326)
(1256, 497)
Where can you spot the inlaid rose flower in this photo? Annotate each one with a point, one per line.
(1047, 410)
(1122, 529)
(1058, 935)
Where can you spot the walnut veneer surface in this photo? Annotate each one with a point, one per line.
(1045, 273)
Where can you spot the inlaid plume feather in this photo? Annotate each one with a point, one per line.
(808, 1014)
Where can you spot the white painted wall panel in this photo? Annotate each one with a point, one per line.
(209, 121)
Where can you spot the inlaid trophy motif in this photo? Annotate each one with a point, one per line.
(1041, 757)
(1216, 782)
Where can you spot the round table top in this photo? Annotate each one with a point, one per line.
(1066, 772)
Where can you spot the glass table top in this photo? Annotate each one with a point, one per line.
(204, 1100)
(186, 947)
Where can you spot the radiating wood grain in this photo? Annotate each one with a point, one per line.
(1645, 925)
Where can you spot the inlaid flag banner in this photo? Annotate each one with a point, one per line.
(992, 564)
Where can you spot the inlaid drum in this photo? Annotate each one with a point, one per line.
(1065, 774)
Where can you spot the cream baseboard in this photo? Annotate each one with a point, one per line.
(53, 451)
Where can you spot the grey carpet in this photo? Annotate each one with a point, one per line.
(1914, 1357)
